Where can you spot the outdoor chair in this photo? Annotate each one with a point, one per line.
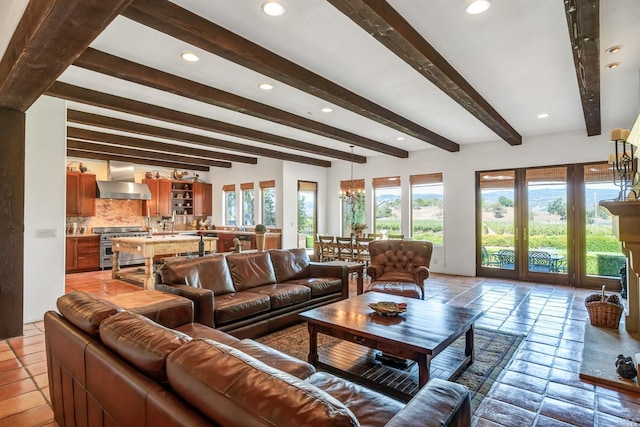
(489, 260)
(506, 258)
(540, 261)
(399, 267)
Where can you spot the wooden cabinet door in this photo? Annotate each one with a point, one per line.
(160, 203)
(202, 199)
(87, 195)
(71, 258)
(81, 194)
(73, 184)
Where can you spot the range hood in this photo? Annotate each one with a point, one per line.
(121, 185)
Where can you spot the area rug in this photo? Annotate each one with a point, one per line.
(493, 350)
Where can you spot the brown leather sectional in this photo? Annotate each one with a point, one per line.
(111, 367)
(251, 294)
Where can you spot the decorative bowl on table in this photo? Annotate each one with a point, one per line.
(388, 308)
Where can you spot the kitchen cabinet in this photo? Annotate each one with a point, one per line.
(82, 253)
(81, 194)
(182, 202)
(160, 203)
(202, 200)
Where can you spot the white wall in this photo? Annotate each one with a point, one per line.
(44, 203)
(457, 255)
(265, 170)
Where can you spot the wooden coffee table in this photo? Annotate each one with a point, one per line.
(420, 334)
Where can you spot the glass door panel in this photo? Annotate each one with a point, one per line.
(497, 221)
(546, 218)
(603, 257)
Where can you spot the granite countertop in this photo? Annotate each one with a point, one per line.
(82, 235)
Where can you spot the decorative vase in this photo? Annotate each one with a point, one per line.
(260, 241)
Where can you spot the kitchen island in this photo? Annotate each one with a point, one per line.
(148, 247)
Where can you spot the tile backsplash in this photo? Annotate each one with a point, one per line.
(122, 213)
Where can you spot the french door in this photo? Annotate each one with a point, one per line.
(536, 224)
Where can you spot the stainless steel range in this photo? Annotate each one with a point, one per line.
(106, 254)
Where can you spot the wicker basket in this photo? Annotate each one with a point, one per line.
(603, 311)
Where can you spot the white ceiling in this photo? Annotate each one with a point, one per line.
(517, 55)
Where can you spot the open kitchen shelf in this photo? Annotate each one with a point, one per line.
(182, 198)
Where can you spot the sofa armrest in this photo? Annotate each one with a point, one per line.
(439, 403)
(319, 269)
(421, 274)
(202, 301)
(374, 271)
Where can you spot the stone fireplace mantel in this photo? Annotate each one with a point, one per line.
(626, 227)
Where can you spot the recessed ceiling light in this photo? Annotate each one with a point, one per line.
(326, 110)
(190, 57)
(266, 86)
(613, 65)
(400, 138)
(614, 49)
(273, 8)
(542, 115)
(478, 6)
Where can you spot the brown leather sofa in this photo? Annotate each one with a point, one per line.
(251, 294)
(399, 267)
(111, 367)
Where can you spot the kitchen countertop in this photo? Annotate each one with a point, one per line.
(83, 235)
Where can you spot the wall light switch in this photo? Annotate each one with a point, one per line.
(46, 233)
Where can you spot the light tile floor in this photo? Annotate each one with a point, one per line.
(540, 387)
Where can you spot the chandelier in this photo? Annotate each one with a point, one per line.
(624, 161)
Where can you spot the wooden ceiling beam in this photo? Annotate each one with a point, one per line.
(83, 154)
(114, 66)
(113, 102)
(107, 148)
(50, 35)
(79, 133)
(386, 25)
(149, 130)
(583, 20)
(184, 25)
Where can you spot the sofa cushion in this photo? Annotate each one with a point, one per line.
(209, 272)
(370, 407)
(141, 342)
(319, 285)
(290, 264)
(275, 358)
(284, 295)
(85, 311)
(239, 305)
(251, 270)
(233, 388)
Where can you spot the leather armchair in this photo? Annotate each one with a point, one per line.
(399, 267)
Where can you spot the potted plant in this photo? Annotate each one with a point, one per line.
(260, 230)
(358, 228)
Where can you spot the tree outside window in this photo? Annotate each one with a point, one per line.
(248, 202)
(230, 205)
(269, 206)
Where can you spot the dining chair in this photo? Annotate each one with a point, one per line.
(395, 236)
(362, 250)
(374, 236)
(345, 249)
(327, 248)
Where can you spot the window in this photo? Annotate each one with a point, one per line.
(307, 213)
(426, 208)
(387, 205)
(268, 196)
(352, 196)
(248, 202)
(229, 192)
